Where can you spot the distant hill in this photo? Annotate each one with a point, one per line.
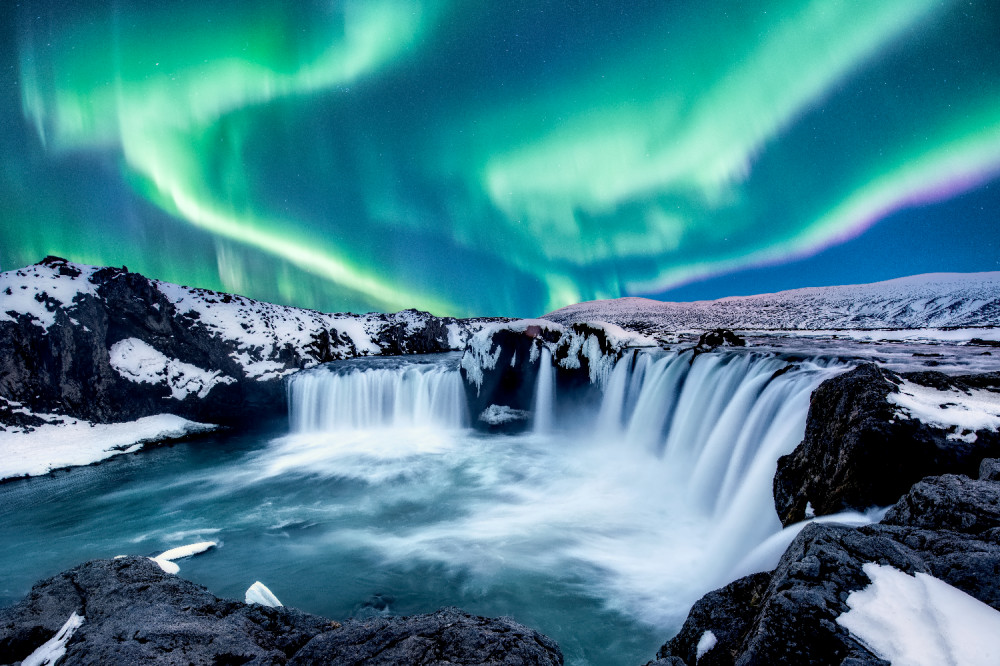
(933, 300)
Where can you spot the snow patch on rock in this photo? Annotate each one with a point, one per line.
(921, 620)
(961, 412)
(259, 594)
(137, 361)
(54, 649)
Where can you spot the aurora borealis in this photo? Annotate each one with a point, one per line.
(501, 158)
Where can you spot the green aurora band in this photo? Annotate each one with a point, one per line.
(486, 158)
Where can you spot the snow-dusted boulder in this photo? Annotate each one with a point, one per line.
(872, 433)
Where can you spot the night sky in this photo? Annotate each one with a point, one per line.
(484, 157)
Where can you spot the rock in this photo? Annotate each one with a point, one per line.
(858, 452)
(448, 636)
(946, 526)
(501, 363)
(719, 337)
(794, 621)
(725, 612)
(135, 613)
(949, 502)
(989, 469)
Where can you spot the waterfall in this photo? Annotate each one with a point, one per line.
(358, 395)
(545, 394)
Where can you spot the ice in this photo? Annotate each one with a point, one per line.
(259, 594)
(53, 649)
(167, 566)
(499, 414)
(65, 442)
(705, 643)
(139, 362)
(186, 551)
(963, 412)
(921, 620)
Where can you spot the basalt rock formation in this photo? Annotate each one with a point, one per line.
(862, 448)
(132, 613)
(946, 526)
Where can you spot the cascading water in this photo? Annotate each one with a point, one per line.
(377, 394)
(545, 394)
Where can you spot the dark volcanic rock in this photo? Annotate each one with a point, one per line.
(727, 613)
(719, 337)
(950, 502)
(448, 636)
(794, 621)
(857, 451)
(946, 526)
(135, 613)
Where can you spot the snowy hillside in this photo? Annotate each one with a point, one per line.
(934, 300)
(105, 345)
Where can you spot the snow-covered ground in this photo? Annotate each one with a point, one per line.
(921, 620)
(65, 442)
(935, 300)
(959, 411)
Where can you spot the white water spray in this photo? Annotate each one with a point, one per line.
(652, 499)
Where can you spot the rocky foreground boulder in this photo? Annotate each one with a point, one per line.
(134, 613)
(946, 526)
(871, 434)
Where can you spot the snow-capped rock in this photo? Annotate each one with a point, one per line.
(105, 345)
(934, 300)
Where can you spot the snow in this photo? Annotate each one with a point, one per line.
(139, 362)
(705, 643)
(66, 442)
(166, 559)
(961, 412)
(938, 300)
(167, 566)
(259, 594)
(499, 414)
(38, 291)
(921, 620)
(54, 649)
(186, 551)
(259, 330)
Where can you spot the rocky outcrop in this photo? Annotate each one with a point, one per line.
(501, 363)
(135, 613)
(107, 345)
(719, 337)
(945, 526)
(863, 448)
